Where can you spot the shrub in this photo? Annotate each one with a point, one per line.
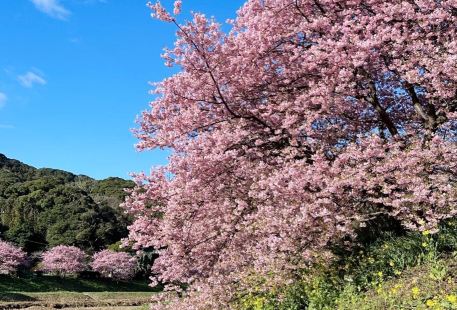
(114, 265)
(415, 270)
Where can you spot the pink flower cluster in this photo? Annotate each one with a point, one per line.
(159, 12)
(306, 119)
(114, 265)
(11, 257)
(177, 7)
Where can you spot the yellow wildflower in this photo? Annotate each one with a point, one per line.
(426, 232)
(394, 289)
(430, 303)
(415, 290)
(452, 299)
(424, 244)
(379, 289)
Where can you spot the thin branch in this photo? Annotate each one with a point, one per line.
(216, 84)
(301, 12)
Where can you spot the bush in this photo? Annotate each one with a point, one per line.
(89, 274)
(388, 269)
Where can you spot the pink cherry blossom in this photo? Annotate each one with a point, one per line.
(159, 12)
(11, 257)
(64, 259)
(115, 265)
(304, 121)
(177, 7)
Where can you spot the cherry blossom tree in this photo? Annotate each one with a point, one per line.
(115, 265)
(64, 260)
(11, 257)
(305, 120)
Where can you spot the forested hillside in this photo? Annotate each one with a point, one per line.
(48, 207)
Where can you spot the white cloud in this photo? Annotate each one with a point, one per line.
(31, 78)
(3, 99)
(52, 8)
(75, 40)
(6, 126)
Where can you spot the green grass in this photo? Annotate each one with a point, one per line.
(64, 296)
(53, 291)
(54, 284)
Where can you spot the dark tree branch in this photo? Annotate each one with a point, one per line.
(383, 115)
(429, 116)
(301, 12)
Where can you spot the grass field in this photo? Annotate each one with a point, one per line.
(49, 292)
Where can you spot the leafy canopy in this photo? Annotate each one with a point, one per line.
(41, 207)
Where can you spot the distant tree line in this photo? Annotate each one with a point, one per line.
(41, 208)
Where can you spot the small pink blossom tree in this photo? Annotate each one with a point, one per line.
(64, 260)
(11, 257)
(114, 265)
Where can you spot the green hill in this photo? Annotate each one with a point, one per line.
(47, 207)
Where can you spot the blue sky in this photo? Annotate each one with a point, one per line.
(74, 75)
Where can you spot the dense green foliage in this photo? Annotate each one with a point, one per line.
(389, 268)
(48, 207)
